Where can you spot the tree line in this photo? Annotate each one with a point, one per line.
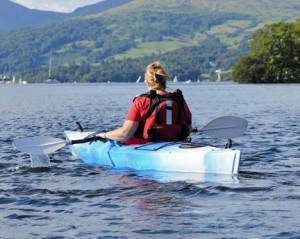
(274, 55)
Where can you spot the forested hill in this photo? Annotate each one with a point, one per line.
(193, 37)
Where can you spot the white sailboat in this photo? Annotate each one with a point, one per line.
(175, 79)
(50, 79)
(139, 79)
(22, 82)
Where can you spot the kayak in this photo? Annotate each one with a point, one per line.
(170, 156)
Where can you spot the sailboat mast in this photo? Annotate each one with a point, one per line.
(50, 62)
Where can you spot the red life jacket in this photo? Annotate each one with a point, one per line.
(165, 119)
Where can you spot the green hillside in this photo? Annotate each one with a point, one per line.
(193, 37)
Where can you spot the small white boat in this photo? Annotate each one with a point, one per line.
(139, 79)
(52, 81)
(22, 82)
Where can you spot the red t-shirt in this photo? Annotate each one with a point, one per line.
(138, 111)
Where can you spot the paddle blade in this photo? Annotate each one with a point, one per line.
(39, 145)
(226, 127)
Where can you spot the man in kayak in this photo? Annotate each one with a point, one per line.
(157, 115)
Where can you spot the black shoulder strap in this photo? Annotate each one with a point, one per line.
(178, 96)
(155, 100)
(150, 94)
(180, 101)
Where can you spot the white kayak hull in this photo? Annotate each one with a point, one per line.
(162, 156)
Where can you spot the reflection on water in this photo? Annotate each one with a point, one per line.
(166, 177)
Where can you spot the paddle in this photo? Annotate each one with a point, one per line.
(39, 145)
(225, 127)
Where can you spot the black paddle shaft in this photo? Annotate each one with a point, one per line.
(86, 140)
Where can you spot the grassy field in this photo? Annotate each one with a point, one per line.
(148, 48)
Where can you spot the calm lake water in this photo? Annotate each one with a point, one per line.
(73, 200)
